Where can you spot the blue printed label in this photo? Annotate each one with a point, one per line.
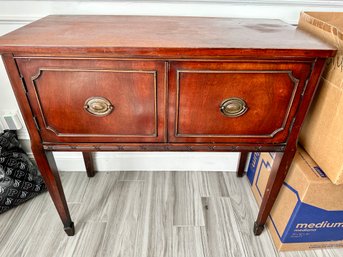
(255, 157)
(307, 222)
(319, 171)
(313, 224)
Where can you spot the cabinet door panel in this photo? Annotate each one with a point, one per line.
(103, 100)
(234, 102)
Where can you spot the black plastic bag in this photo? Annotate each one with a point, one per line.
(19, 176)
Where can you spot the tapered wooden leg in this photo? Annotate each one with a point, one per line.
(241, 164)
(87, 157)
(47, 166)
(280, 167)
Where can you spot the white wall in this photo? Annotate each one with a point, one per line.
(14, 14)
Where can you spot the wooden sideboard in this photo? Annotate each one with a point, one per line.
(140, 83)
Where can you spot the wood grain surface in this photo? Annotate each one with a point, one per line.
(135, 89)
(165, 80)
(270, 89)
(141, 206)
(145, 35)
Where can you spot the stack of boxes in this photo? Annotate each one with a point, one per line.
(308, 212)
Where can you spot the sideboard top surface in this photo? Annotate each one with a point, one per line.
(161, 36)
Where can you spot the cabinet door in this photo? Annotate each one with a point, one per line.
(237, 101)
(96, 100)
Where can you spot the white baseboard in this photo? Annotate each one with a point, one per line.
(152, 161)
(131, 161)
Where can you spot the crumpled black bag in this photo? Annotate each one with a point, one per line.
(19, 176)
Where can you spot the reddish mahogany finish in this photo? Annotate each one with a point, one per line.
(161, 37)
(241, 164)
(87, 157)
(166, 79)
(271, 90)
(59, 89)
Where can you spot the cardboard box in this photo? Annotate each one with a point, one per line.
(308, 212)
(322, 133)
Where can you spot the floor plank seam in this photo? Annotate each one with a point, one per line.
(123, 219)
(84, 191)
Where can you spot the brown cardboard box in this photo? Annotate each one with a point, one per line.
(322, 133)
(308, 212)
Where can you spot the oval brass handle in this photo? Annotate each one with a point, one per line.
(233, 107)
(98, 106)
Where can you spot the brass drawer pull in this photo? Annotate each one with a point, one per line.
(98, 106)
(233, 107)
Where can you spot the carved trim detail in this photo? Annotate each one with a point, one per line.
(47, 126)
(165, 147)
(293, 79)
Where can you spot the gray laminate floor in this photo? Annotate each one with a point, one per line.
(144, 214)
